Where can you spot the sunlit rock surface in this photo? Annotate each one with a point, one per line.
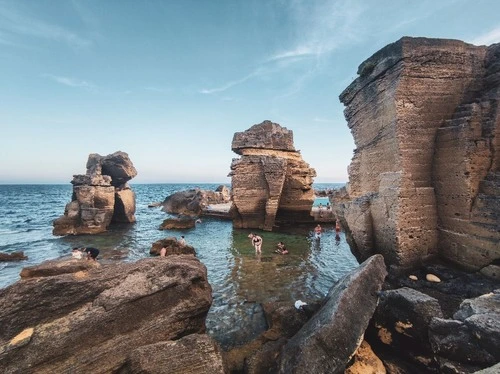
(425, 176)
(271, 184)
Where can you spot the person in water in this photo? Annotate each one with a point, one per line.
(281, 249)
(317, 231)
(256, 242)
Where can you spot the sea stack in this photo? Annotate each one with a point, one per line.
(271, 184)
(100, 197)
(425, 176)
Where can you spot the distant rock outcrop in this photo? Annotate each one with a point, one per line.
(100, 197)
(425, 176)
(271, 183)
(193, 202)
(93, 320)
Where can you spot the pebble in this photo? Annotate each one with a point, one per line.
(413, 277)
(432, 278)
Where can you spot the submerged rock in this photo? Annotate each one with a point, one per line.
(90, 321)
(13, 256)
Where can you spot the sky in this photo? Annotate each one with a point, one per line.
(169, 82)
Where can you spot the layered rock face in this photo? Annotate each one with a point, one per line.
(271, 183)
(425, 176)
(91, 319)
(100, 197)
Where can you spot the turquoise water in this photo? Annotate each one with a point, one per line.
(240, 279)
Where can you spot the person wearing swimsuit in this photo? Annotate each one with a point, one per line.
(256, 242)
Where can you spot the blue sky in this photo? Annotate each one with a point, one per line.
(170, 82)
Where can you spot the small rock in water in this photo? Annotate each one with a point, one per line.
(413, 277)
(432, 278)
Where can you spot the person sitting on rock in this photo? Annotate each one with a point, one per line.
(163, 252)
(76, 253)
(92, 253)
(182, 241)
(281, 249)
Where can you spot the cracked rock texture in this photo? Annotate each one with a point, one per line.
(271, 183)
(425, 175)
(100, 197)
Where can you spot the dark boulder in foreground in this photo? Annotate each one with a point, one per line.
(90, 321)
(327, 342)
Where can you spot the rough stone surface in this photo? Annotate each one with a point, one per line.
(193, 202)
(271, 184)
(100, 197)
(327, 342)
(473, 336)
(402, 319)
(192, 354)
(173, 246)
(366, 361)
(57, 267)
(178, 223)
(90, 321)
(13, 256)
(409, 201)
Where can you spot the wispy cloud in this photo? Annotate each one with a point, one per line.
(230, 84)
(71, 82)
(491, 37)
(15, 23)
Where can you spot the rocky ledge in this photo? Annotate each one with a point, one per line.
(99, 319)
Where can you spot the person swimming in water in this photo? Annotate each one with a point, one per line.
(281, 249)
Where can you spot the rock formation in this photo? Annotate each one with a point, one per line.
(425, 176)
(93, 320)
(330, 338)
(271, 183)
(100, 197)
(193, 202)
(173, 246)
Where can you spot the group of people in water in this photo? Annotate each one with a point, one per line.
(281, 248)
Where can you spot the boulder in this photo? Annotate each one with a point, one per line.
(327, 342)
(410, 202)
(100, 197)
(192, 202)
(173, 246)
(182, 223)
(192, 354)
(402, 319)
(473, 336)
(271, 184)
(13, 256)
(91, 321)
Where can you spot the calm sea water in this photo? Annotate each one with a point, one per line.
(240, 279)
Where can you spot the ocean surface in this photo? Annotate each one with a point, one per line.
(240, 279)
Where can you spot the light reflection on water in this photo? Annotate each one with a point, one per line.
(240, 279)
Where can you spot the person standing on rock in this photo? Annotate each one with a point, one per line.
(256, 242)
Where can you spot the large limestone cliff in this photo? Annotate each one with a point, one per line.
(271, 183)
(100, 197)
(425, 176)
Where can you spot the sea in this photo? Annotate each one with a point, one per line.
(241, 280)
